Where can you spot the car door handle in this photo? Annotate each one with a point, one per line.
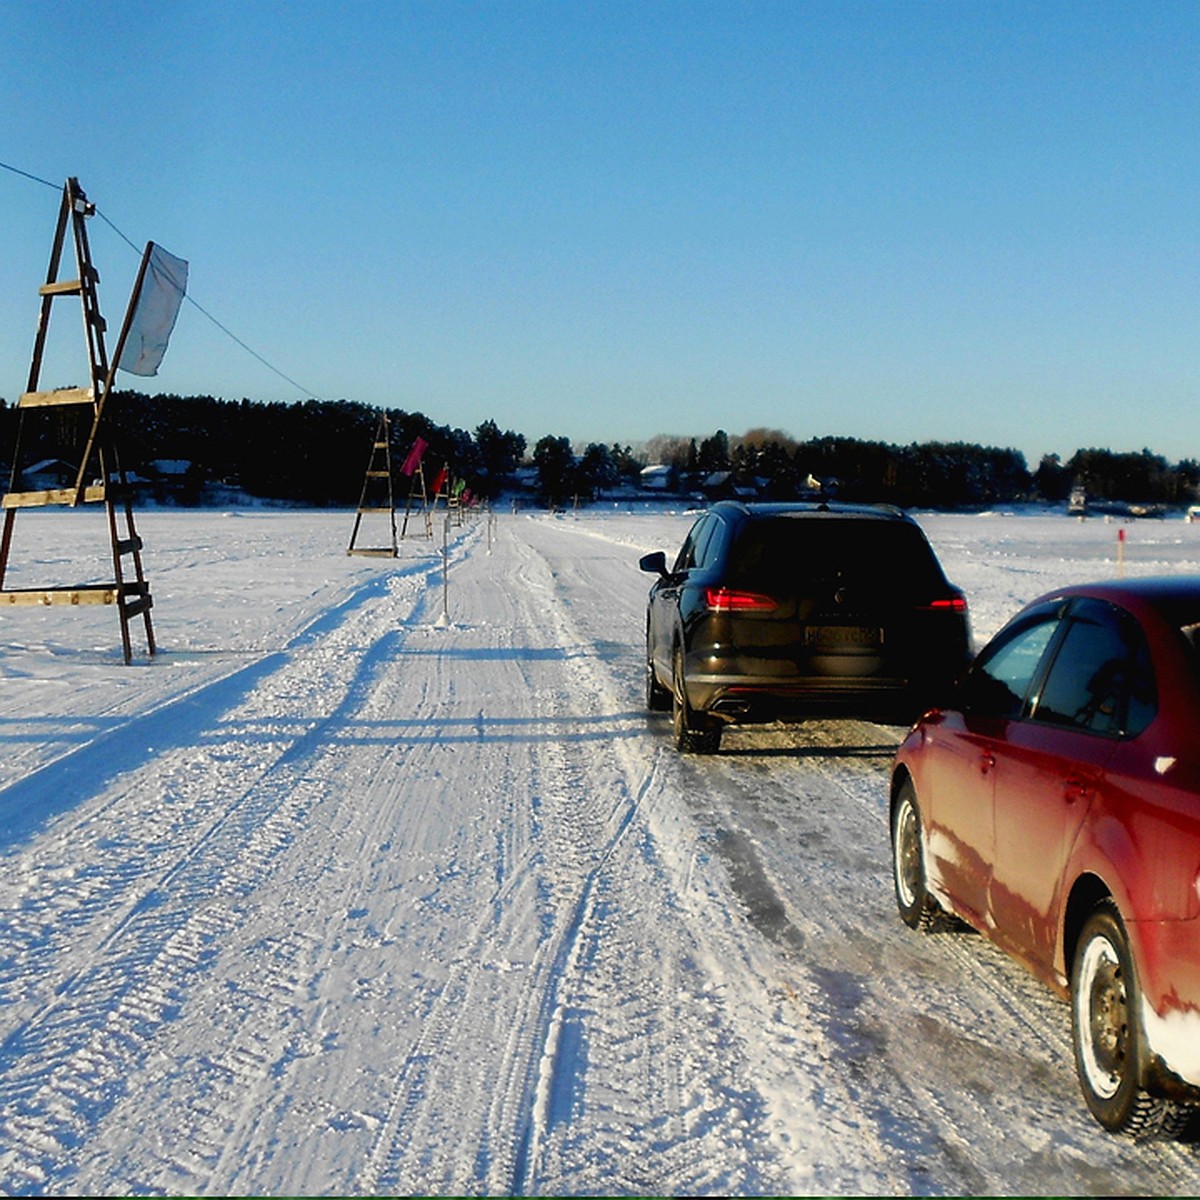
(1074, 789)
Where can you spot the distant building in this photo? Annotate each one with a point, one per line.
(656, 478)
(176, 481)
(719, 486)
(47, 475)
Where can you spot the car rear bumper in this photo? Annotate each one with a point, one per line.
(741, 699)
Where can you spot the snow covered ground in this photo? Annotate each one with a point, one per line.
(349, 891)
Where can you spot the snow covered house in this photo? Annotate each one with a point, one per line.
(656, 478)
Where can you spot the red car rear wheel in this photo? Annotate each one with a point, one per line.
(1110, 1050)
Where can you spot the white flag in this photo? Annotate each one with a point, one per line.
(163, 285)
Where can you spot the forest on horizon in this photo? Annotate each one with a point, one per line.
(317, 452)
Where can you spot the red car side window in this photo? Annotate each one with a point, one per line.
(1101, 680)
(1001, 679)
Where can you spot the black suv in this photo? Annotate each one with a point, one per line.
(781, 611)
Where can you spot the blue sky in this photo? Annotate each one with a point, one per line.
(896, 221)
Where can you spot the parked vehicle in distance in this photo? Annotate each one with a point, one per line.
(781, 611)
(1054, 805)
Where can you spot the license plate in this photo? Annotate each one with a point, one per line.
(856, 636)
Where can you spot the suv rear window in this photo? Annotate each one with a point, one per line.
(782, 554)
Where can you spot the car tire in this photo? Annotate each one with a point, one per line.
(918, 909)
(658, 698)
(1106, 1032)
(693, 734)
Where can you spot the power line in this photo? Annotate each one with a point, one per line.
(195, 304)
(25, 174)
(230, 334)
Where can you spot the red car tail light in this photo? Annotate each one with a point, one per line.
(723, 599)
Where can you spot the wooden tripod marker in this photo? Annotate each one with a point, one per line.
(378, 477)
(417, 493)
(99, 461)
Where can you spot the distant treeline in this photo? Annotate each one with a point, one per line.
(938, 474)
(314, 452)
(317, 452)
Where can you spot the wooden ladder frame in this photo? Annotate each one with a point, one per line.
(379, 466)
(417, 491)
(99, 462)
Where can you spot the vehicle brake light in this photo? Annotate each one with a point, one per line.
(947, 604)
(720, 599)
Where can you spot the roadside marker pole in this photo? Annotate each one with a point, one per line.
(446, 570)
(1121, 553)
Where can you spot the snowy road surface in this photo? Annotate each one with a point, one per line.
(343, 894)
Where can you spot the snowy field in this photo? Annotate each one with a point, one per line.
(349, 891)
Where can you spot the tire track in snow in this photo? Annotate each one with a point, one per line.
(582, 819)
(556, 1061)
(840, 982)
(567, 852)
(699, 1103)
(592, 820)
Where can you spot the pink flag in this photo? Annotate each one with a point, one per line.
(413, 461)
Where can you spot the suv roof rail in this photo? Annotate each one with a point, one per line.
(850, 507)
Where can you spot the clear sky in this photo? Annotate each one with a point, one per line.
(904, 221)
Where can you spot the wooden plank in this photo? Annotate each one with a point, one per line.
(377, 510)
(380, 553)
(60, 396)
(63, 287)
(91, 593)
(91, 495)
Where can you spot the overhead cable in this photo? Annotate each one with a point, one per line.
(194, 303)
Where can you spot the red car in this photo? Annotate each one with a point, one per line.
(1055, 807)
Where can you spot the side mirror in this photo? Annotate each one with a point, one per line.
(655, 564)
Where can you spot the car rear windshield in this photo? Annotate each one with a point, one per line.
(784, 554)
(1184, 613)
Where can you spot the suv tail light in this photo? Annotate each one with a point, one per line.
(723, 599)
(947, 604)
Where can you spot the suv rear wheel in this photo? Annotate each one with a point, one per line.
(694, 734)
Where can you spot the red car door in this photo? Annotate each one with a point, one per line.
(958, 764)
(961, 761)
(1099, 689)
(1046, 779)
